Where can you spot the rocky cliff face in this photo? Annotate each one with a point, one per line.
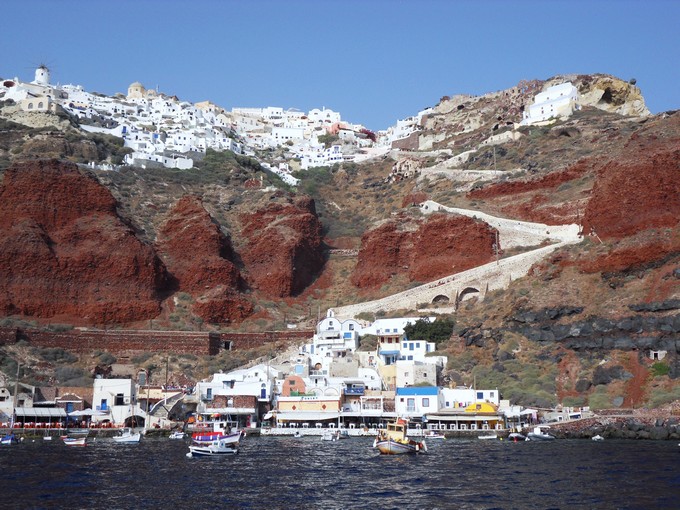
(283, 249)
(64, 251)
(200, 257)
(422, 250)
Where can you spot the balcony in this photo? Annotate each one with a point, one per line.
(359, 390)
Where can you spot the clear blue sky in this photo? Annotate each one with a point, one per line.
(374, 61)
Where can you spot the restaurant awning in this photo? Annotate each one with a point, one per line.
(40, 412)
(307, 416)
(88, 412)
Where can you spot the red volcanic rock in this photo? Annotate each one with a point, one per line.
(195, 250)
(385, 251)
(284, 251)
(64, 251)
(635, 192)
(425, 250)
(199, 256)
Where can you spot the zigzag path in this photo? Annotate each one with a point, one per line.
(477, 281)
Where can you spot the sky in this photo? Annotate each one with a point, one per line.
(374, 61)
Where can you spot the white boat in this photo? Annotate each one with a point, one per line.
(488, 436)
(210, 437)
(215, 448)
(328, 436)
(538, 435)
(432, 434)
(127, 435)
(516, 436)
(74, 441)
(597, 438)
(177, 434)
(393, 441)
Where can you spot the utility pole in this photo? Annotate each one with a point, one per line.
(14, 401)
(496, 247)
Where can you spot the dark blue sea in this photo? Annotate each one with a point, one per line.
(292, 473)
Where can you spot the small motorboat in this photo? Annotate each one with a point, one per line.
(8, 439)
(74, 441)
(297, 434)
(598, 437)
(177, 434)
(538, 435)
(210, 437)
(488, 436)
(127, 435)
(432, 434)
(516, 436)
(329, 436)
(219, 447)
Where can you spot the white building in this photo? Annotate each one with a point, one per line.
(461, 397)
(116, 399)
(556, 101)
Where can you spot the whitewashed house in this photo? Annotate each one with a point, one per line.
(416, 401)
(461, 397)
(116, 400)
(556, 101)
(240, 394)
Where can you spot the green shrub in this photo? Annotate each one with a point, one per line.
(56, 355)
(660, 369)
(106, 358)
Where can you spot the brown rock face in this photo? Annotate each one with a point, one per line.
(64, 251)
(199, 256)
(635, 194)
(427, 250)
(284, 251)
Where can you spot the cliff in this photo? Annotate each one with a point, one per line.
(64, 251)
(283, 251)
(200, 258)
(422, 250)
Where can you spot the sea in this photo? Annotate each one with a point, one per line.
(306, 473)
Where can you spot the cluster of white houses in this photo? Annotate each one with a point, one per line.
(162, 130)
(328, 383)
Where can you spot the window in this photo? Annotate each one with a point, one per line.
(351, 327)
(480, 395)
(426, 402)
(491, 394)
(411, 404)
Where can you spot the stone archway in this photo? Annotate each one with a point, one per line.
(440, 298)
(466, 293)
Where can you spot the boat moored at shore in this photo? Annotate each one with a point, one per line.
(392, 440)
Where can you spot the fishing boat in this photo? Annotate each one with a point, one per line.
(392, 440)
(74, 441)
(216, 448)
(210, 437)
(127, 435)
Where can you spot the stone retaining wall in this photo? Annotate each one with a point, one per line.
(120, 341)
